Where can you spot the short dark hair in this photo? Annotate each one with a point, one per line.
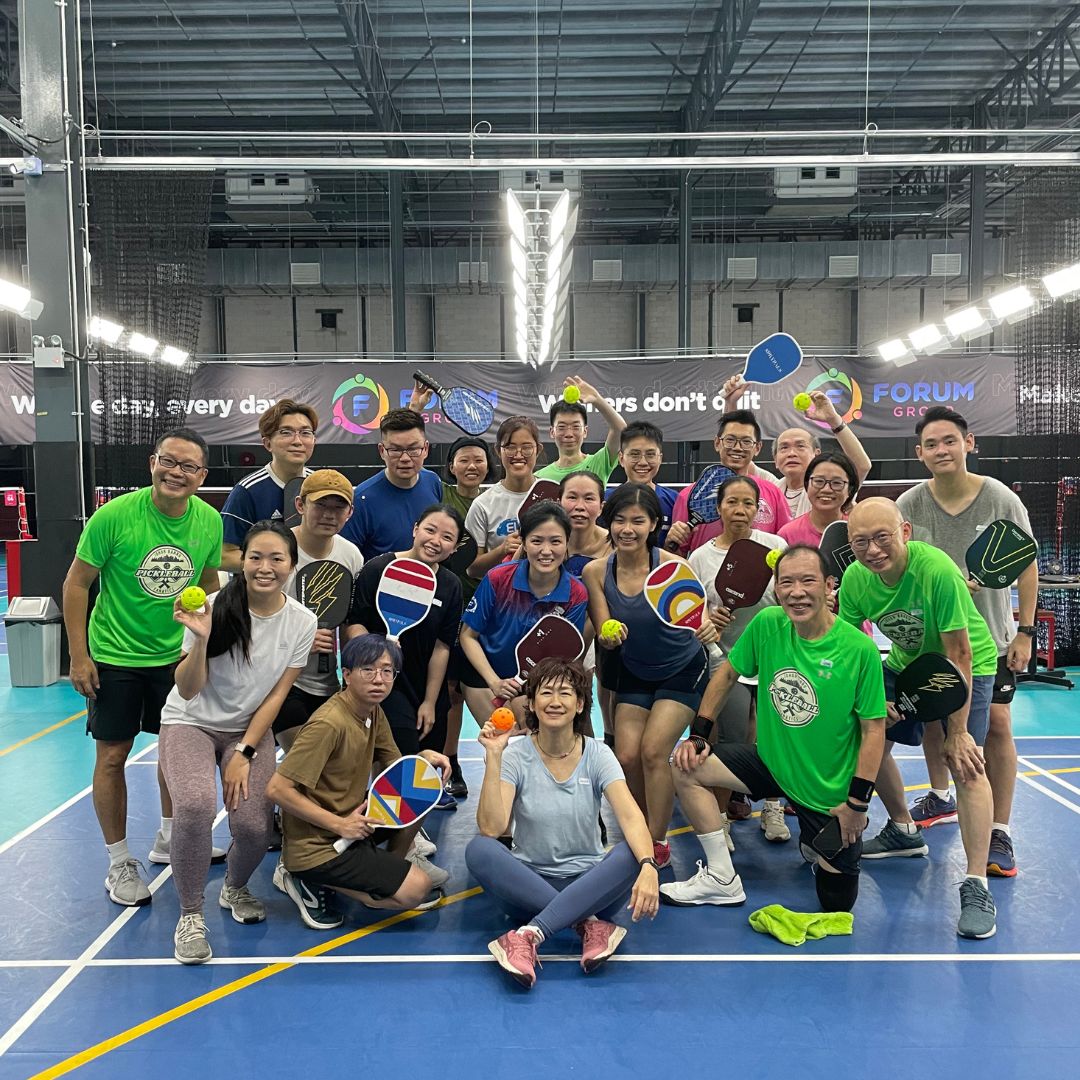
(271, 419)
(634, 495)
(739, 416)
(731, 481)
(562, 406)
(579, 474)
(940, 412)
(188, 435)
(822, 562)
(461, 444)
(443, 508)
(551, 669)
(366, 649)
(401, 420)
(834, 457)
(545, 510)
(641, 429)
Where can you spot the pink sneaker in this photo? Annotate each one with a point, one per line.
(661, 852)
(516, 953)
(599, 940)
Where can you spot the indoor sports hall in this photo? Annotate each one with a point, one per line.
(406, 292)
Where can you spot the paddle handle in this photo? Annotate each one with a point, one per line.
(428, 381)
(341, 845)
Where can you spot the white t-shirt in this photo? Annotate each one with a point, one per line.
(348, 554)
(493, 516)
(236, 687)
(706, 561)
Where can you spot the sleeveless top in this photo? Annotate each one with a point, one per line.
(653, 651)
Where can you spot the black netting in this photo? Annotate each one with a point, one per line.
(1048, 392)
(148, 239)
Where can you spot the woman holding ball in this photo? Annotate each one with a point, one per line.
(248, 636)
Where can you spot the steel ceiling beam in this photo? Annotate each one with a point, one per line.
(360, 33)
(726, 38)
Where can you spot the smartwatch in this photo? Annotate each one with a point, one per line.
(839, 427)
(1031, 631)
(247, 751)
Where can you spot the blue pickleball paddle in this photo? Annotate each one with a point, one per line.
(773, 360)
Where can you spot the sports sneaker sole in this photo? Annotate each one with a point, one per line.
(977, 937)
(292, 893)
(943, 819)
(160, 859)
(727, 901)
(222, 902)
(503, 961)
(141, 902)
(192, 961)
(613, 943)
(902, 853)
(996, 871)
(429, 903)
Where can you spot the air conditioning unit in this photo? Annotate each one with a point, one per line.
(525, 180)
(472, 273)
(607, 269)
(842, 266)
(945, 264)
(815, 181)
(305, 273)
(256, 189)
(741, 268)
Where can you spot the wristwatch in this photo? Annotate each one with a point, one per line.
(1031, 631)
(247, 751)
(649, 861)
(839, 427)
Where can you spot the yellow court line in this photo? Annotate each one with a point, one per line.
(155, 1023)
(40, 734)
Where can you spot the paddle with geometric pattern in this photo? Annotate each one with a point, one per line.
(1000, 554)
(401, 795)
(701, 508)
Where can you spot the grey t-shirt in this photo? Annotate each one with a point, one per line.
(954, 534)
(556, 828)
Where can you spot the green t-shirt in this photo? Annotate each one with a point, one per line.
(812, 697)
(144, 558)
(602, 463)
(452, 497)
(929, 600)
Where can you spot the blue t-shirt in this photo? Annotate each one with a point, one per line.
(258, 497)
(503, 608)
(383, 515)
(556, 825)
(667, 499)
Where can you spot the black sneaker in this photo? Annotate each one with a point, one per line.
(313, 904)
(457, 786)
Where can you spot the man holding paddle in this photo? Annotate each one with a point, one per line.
(950, 510)
(919, 600)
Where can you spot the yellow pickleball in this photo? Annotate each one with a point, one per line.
(802, 402)
(192, 598)
(610, 629)
(773, 558)
(571, 394)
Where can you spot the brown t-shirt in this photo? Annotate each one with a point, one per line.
(331, 763)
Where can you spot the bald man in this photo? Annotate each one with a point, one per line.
(919, 600)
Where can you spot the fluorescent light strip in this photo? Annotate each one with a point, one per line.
(142, 344)
(1063, 282)
(1012, 302)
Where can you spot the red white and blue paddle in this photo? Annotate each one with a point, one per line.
(404, 596)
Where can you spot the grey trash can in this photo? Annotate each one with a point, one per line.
(33, 637)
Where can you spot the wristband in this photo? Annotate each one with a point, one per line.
(649, 861)
(857, 808)
(840, 427)
(861, 789)
(701, 727)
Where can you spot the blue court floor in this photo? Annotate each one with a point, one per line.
(87, 986)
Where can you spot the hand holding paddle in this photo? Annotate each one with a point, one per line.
(550, 636)
(701, 502)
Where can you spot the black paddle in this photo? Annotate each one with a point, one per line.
(930, 688)
(325, 588)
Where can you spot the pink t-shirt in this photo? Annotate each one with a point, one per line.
(771, 516)
(802, 531)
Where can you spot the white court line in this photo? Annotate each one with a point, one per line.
(32, 1014)
(626, 958)
(1051, 738)
(1060, 781)
(1046, 791)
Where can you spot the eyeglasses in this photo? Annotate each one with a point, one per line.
(730, 442)
(188, 468)
(512, 451)
(642, 455)
(288, 433)
(820, 482)
(388, 673)
(883, 540)
(404, 451)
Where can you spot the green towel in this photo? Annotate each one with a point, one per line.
(794, 927)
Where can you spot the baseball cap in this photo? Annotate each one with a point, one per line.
(323, 482)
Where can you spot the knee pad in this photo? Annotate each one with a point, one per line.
(836, 892)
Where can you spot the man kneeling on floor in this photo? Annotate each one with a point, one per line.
(321, 787)
(820, 736)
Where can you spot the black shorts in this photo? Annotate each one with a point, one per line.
(297, 708)
(363, 867)
(1004, 683)
(686, 686)
(459, 669)
(608, 666)
(129, 700)
(745, 762)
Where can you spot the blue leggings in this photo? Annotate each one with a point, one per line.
(548, 902)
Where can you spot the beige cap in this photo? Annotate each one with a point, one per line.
(323, 482)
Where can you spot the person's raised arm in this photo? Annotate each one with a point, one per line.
(821, 408)
(591, 396)
(76, 599)
(496, 795)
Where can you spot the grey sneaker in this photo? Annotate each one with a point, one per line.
(978, 916)
(159, 853)
(245, 908)
(124, 885)
(893, 842)
(424, 844)
(772, 822)
(190, 943)
(439, 876)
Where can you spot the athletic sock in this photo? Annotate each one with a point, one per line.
(984, 882)
(941, 793)
(166, 829)
(1001, 826)
(771, 802)
(717, 855)
(118, 852)
(532, 928)
(909, 828)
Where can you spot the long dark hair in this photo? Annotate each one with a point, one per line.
(633, 495)
(230, 620)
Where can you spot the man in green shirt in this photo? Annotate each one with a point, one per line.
(143, 548)
(570, 428)
(919, 600)
(820, 732)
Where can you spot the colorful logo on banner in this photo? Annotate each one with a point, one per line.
(359, 404)
(832, 379)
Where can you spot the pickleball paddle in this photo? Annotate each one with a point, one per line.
(674, 592)
(463, 556)
(835, 548)
(289, 496)
(701, 502)
(744, 576)
(550, 636)
(930, 688)
(772, 360)
(1000, 554)
(404, 595)
(541, 490)
(465, 408)
(325, 588)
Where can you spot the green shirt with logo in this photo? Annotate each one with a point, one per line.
(144, 558)
(812, 698)
(931, 598)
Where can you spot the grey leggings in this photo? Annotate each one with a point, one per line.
(189, 757)
(551, 903)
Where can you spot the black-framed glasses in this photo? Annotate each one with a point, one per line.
(731, 442)
(404, 451)
(188, 468)
(821, 482)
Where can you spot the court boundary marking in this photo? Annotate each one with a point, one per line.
(41, 734)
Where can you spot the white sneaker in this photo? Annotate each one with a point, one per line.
(159, 853)
(423, 845)
(124, 885)
(190, 943)
(703, 888)
(279, 878)
(439, 876)
(772, 822)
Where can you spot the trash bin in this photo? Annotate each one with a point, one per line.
(33, 638)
